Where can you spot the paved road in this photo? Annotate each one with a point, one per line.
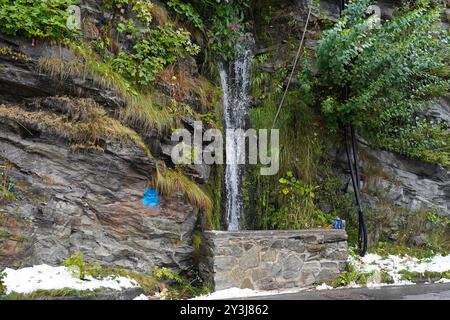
(410, 292)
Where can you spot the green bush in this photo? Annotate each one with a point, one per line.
(36, 19)
(80, 268)
(224, 24)
(164, 274)
(428, 276)
(298, 209)
(153, 51)
(187, 12)
(391, 73)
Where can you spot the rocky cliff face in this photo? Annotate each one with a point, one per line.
(66, 196)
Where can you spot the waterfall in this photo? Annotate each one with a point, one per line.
(235, 82)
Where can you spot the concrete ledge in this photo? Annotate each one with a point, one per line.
(269, 260)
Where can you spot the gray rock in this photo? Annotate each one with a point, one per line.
(291, 267)
(250, 259)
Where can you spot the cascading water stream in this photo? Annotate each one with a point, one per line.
(235, 82)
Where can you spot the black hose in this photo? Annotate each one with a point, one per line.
(354, 172)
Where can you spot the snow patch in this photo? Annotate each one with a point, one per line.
(242, 293)
(393, 265)
(45, 277)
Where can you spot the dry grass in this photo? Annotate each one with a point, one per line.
(93, 129)
(169, 182)
(184, 85)
(17, 56)
(160, 14)
(141, 110)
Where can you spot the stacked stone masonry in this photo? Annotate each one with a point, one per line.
(270, 260)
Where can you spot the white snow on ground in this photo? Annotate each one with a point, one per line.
(242, 293)
(393, 264)
(141, 297)
(27, 280)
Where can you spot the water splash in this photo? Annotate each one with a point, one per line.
(235, 82)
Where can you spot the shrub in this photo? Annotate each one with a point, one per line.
(390, 74)
(36, 19)
(187, 12)
(152, 52)
(298, 209)
(80, 268)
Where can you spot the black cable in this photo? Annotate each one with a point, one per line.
(354, 173)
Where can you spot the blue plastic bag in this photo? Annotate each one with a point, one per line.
(151, 198)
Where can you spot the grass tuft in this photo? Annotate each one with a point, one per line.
(94, 129)
(141, 110)
(169, 181)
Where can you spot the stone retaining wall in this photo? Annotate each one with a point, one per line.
(268, 260)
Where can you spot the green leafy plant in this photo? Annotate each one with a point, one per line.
(428, 276)
(180, 287)
(390, 74)
(164, 274)
(36, 19)
(6, 192)
(2, 284)
(81, 268)
(187, 12)
(223, 22)
(151, 53)
(298, 210)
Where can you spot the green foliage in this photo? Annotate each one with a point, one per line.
(153, 46)
(80, 268)
(6, 192)
(151, 53)
(2, 285)
(36, 19)
(180, 287)
(187, 12)
(299, 210)
(63, 293)
(352, 276)
(214, 191)
(386, 277)
(390, 73)
(426, 276)
(197, 241)
(164, 274)
(224, 25)
(434, 227)
(277, 203)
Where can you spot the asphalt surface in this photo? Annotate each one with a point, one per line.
(440, 291)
